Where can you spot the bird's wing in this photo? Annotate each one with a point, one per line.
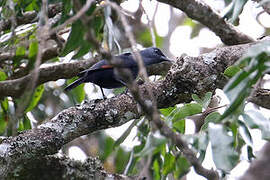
(127, 58)
(96, 67)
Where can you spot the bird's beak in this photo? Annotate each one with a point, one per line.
(164, 58)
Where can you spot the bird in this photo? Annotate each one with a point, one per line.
(102, 73)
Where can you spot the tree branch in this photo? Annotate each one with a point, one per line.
(46, 73)
(30, 17)
(203, 13)
(259, 168)
(62, 168)
(265, 5)
(261, 97)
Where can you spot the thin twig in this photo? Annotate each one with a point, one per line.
(73, 18)
(42, 35)
(150, 22)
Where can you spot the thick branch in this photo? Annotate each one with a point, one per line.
(62, 168)
(48, 73)
(259, 168)
(261, 97)
(203, 13)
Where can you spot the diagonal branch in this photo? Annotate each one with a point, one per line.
(200, 11)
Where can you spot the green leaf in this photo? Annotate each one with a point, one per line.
(20, 128)
(75, 38)
(126, 133)
(167, 111)
(250, 122)
(153, 144)
(240, 80)
(3, 75)
(65, 13)
(207, 99)
(244, 131)
(20, 53)
(224, 156)
(189, 22)
(4, 105)
(239, 87)
(119, 90)
(231, 71)
(85, 48)
(146, 40)
(156, 168)
(97, 24)
(107, 149)
(35, 98)
(255, 119)
(24, 124)
(121, 160)
(131, 165)
(182, 167)
(185, 111)
(169, 164)
(196, 98)
(180, 126)
(3, 121)
(213, 117)
(33, 50)
(77, 92)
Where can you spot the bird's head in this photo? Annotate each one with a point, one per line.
(155, 61)
(153, 55)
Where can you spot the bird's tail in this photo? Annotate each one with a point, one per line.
(75, 84)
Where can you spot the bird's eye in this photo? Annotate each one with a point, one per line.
(159, 52)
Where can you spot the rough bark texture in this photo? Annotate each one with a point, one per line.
(261, 97)
(62, 168)
(54, 72)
